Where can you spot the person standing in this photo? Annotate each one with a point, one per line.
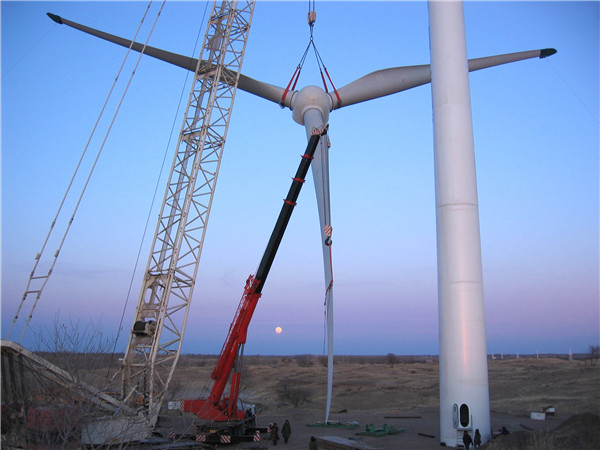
(286, 430)
(313, 444)
(467, 440)
(477, 439)
(274, 433)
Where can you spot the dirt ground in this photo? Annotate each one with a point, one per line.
(405, 395)
(400, 392)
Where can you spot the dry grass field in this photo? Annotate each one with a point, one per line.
(403, 392)
(398, 391)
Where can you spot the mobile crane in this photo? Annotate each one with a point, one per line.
(227, 419)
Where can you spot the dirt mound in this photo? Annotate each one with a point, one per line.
(513, 441)
(581, 431)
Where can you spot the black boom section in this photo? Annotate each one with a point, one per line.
(286, 210)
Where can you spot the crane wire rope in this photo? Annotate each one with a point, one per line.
(589, 111)
(291, 86)
(56, 254)
(156, 187)
(25, 54)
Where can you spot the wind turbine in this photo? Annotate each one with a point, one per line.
(310, 107)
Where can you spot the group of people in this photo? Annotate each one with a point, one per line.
(475, 440)
(286, 431)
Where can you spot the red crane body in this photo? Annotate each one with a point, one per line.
(215, 407)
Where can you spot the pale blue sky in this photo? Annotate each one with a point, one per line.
(536, 140)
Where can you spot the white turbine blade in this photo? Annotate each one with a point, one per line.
(383, 82)
(390, 81)
(491, 61)
(320, 170)
(247, 84)
(263, 90)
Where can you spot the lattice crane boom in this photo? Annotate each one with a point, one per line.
(162, 310)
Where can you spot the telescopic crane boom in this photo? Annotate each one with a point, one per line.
(216, 407)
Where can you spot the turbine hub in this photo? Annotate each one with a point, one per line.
(310, 97)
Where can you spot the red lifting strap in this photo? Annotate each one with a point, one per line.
(299, 179)
(339, 100)
(289, 203)
(296, 80)
(296, 75)
(324, 83)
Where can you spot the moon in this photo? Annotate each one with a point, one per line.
(278, 330)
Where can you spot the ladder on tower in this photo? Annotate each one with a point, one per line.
(163, 305)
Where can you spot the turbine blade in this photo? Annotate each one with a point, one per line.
(383, 82)
(390, 81)
(497, 60)
(320, 171)
(245, 83)
(264, 90)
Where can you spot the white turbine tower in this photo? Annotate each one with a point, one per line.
(311, 107)
(464, 388)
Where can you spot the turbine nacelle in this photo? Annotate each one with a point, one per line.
(310, 97)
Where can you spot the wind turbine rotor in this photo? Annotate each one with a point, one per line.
(371, 86)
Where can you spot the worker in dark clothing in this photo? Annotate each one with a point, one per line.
(467, 440)
(313, 444)
(274, 433)
(477, 439)
(286, 430)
